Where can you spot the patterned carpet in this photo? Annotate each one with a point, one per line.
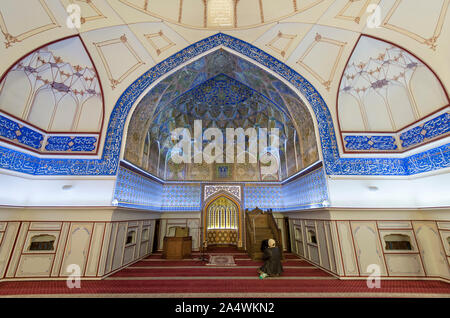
(157, 277)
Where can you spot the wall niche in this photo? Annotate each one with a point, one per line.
(312, 237)
(397, 242)
(131, 237)
(42, 242)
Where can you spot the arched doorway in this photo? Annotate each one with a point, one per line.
(222, 219)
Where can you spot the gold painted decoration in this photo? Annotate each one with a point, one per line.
(16, 38)
(431, 41)
(124, 41)
(318, 39)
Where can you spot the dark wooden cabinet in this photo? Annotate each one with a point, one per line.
(177, 247)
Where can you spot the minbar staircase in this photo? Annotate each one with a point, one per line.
(260, 226)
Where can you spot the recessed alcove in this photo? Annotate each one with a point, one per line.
(312, 237)
(397, 242)
(131, 237)
(223, 91)
(42, 242)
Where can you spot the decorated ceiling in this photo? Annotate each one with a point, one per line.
(381, 66)
(223, 91)
(48, 98)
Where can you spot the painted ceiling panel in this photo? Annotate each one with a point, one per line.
(50, 89)
(394, 90)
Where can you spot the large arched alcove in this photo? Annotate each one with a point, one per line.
(223, 91)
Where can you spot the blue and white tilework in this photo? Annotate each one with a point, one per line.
(308, 191)
(181, 197)
(16, 132)
(22, 135)
(263, 197)
(68, 143)
(429, 160)
(136, 191)
(435, 127)
(384, 143)
(438, 126)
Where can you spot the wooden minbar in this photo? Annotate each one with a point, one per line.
(261, 226)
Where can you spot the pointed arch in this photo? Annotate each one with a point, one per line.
(240, 221)
(60, 71)
(382, 79)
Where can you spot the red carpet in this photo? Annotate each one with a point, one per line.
(162, 262)
(216, 272)
(156, 277)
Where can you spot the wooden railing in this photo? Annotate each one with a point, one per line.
(275, 230)
(265, 222)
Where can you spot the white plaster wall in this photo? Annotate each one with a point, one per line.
(26, 191)
(427, 191)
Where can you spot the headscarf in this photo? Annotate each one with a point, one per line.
(271, 243)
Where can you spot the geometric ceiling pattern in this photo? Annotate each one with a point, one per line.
(220, 102)
(155, 30)
(223, 91)
(389, 100)
(219, 14)
(52, 102)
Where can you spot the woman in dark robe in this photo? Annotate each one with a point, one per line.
(272, 261)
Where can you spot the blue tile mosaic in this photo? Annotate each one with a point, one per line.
(30, 138)
(181, 197)
(263, 197)
(134, 190)
(370, 142)
(137, 191)
(435, 127)
(23, 135)
(430, 160)
(308, 191)
(67, 143)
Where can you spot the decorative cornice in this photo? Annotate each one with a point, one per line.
(210, 190)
